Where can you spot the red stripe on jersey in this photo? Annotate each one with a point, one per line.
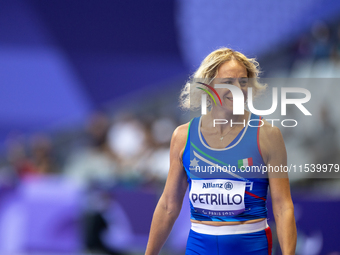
(253, 195)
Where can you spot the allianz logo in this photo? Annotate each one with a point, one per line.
(226, 185)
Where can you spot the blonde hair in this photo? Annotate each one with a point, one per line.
(208, 70)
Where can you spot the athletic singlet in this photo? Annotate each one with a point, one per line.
(226, 184)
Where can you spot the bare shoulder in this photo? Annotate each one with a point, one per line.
(271, 140)
(179, 138)
(181, 132)
(269, 131)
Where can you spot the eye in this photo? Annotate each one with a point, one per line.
(228, 82)
(243, 82)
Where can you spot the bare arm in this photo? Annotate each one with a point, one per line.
(274, 154)
(170, 203)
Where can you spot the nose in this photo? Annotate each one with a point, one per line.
(237, 83)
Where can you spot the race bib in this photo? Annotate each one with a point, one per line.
(218, 197)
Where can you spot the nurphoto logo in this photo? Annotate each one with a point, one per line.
(239, 103)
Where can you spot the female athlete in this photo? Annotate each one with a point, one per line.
(221, 157)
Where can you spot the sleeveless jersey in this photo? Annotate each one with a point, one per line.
(226, 184)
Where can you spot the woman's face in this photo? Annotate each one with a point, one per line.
(234, 73)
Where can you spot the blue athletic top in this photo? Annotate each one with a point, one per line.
(226, 184)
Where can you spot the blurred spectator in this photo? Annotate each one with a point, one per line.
(158, 162)
(44, 162)
(37, 159)
(95, 223)
(303, 47)
(96, 163)
(336, 46)
(128, 140)
(322, 44)
(326, 138)
(18, 158)
(143, 147)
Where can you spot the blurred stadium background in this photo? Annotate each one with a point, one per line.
(88, 103)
